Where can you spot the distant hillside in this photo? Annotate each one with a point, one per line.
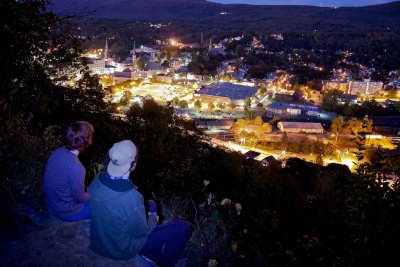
(273, 18)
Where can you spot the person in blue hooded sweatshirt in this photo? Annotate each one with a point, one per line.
(120, 227)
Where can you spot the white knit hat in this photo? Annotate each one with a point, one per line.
(122, 155)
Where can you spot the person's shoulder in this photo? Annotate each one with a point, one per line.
(59, 155)
(61, 151)
(136, 195)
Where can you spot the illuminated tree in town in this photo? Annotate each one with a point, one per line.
(337, 126)
(197, 105)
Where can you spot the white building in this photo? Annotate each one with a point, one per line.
(300, 127)
(364, 87)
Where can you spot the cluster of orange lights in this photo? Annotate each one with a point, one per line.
(176, 43)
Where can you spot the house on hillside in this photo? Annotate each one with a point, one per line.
(300, 127)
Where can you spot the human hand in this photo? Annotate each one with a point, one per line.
(153, 214)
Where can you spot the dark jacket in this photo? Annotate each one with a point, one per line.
(118, 224)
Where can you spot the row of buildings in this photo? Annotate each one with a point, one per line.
(128, 69)
(366, 87)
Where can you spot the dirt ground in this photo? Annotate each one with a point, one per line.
(55, 244)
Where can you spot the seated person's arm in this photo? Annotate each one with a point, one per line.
(78, 187)
(140, 225)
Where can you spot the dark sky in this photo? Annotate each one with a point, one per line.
(329, 3)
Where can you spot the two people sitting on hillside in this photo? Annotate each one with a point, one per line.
(120, 227)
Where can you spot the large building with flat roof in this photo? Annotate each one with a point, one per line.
(292, 108)
(225, 93)
(300, 127)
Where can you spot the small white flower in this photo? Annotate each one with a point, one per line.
(234, 247)
(209, 199)
(206, 182)
(225, 201)
(212, 263)
(238, 207)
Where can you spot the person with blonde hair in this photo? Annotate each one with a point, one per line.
(64, 175)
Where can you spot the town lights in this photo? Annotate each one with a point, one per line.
(173, 42)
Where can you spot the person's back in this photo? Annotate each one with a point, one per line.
(64, 175)
(61, 169)
(119, 226)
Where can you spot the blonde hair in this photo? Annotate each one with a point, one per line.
(79, 135)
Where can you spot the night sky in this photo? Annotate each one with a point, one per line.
(325, 3)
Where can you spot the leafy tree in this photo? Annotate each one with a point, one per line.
(319, 159)
(337, 126)
(37, 51)
(226, 78)
(239, 51)
(140, 63)
(87, 98)
(258, 121)
(262, 90)
(267, 128)
(39, 55)
(183, 104)
(204, 64)
(197, 105)
(175, 101)
(165, 64)
(257, 71)
(221, 105)
(330, 100)
(247, 102)
(284, 141)
(367, 125)
(315, 85)
(248, 113)
(127, 95)
(354, 125)
(240, 123)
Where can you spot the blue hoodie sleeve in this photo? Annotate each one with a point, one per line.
(139, 225)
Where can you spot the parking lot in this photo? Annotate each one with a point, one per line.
(162, 93)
